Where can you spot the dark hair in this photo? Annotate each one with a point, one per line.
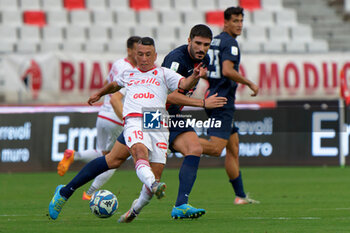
(146, 41)
(131, 41)
(233, 11)
(202, 31)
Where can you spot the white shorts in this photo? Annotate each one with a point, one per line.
(107, 133)
(155, 141)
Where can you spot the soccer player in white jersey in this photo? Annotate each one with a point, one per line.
(109, 125)
(146, 86)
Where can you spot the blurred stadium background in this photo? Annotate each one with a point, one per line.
(55, 53)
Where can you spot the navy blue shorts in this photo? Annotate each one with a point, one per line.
(121, 138)
(225, 115)
(176, 131)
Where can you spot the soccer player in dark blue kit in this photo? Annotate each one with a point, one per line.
(223, 78)
(185, 140)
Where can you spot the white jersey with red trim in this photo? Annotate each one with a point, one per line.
(147, 89)
(106, 110)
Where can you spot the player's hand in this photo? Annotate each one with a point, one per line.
(199, 71)
(254, 88)
(215, 102)
(94, 98)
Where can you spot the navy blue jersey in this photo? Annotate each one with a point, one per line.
(180, 61)
(223, 47)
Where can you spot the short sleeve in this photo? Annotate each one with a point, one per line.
(122, 91)
(173, 62)
(230, 51)
(172, 79)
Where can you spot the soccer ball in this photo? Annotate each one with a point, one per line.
(103, 204)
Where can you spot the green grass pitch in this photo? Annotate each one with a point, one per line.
(303, 199)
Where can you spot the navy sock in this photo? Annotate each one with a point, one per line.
(187, 177)
(237, 185)
(90, 171)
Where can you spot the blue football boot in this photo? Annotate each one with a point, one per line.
(186, 211)
(56, 203)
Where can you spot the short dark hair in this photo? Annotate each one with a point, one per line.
(131, 41)
(233, 11)
(202, 31)
(146, 41)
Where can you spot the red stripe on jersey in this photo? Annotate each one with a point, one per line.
(111, 120)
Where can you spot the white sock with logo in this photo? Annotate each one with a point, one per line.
(100, 180)
(144, 173)
(87, 155)
(144, 198)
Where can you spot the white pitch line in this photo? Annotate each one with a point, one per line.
(283, 218)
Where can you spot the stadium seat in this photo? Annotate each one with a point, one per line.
(52, 33)
(117, 46)
(273, 47)
(75, 33)
(150, 18)
(37, 18)
(9, 5)
(29, 33)
(126, 18)
(98, 33)
(27, 47)
(96, 4)
(223, 4)
(161, 5)
(163, 46)
(286, 17)
(58, 18)
(263, 18)
(72, 46)
(143, 30)
(278, 34)
(251, 47)
(50, 46)
(184, 5)
(319, 46)
(95, 47)
(295, 47)
(205, 5)
(271, 4)
(166, 33)
(118, 5)
(120, 32)
(11, 18)
(250, 5)
(140, 4)
(193, 18)
(8, 33)
(215, 18)
(74, 4)
(171, 18)
(52, 5)
(184, 33)
(30, 4)
(103, 18)
(80, 17)
(6, 46)
(302, 33)
(255, 33)
(216, 30)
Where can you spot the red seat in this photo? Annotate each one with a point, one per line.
(34, 18)
(215, 17)
(74, 4)
(250, 4)
(140, 4)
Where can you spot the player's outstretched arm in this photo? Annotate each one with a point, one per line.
(107, 89)
(211, 102)
(117, 104)
(229, 72)
(189, 82)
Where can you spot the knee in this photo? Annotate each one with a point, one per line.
(216, 151)
(195, 150)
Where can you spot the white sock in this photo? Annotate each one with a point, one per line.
(100, 180)
(144, 198)
(87, 155)
(144, 172)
